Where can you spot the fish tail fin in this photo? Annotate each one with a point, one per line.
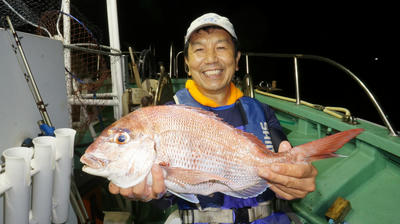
(326, 147)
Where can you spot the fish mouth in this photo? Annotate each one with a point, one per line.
(93, 162)
(96, 171)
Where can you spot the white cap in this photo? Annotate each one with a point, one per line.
(210, 19)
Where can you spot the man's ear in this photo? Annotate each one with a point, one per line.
(186, 66)
(237, 60)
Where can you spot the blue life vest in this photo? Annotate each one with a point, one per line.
(256, 124)
(254, 112)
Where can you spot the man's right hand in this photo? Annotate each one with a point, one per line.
(142, 191)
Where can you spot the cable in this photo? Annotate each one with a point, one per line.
(75, 77)
(83, 25)
(58, 21)
(27, 21)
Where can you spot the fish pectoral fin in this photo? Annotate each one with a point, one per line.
(189, 176)
(188, 197)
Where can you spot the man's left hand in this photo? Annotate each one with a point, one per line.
(289, 181)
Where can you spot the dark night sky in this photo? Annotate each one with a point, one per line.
(361, 37)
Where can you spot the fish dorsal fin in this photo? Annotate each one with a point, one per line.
(212, 115)
(197, 110)
(260, 145)
(188, 176)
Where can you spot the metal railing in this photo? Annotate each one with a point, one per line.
(295, 57)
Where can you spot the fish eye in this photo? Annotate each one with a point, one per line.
(122, 138)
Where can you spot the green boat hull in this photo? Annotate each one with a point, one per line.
(369, 177)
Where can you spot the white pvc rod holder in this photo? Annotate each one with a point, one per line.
(42, 186)
(18, 174)
(62, 177)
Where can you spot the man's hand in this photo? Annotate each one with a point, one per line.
(289, 181)
(142, 191)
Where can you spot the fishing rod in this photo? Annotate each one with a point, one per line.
(45, 124)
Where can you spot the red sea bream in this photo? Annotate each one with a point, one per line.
(199, 153)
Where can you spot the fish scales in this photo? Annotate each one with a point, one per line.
(208, 136)
(215, 156)
(200, 153)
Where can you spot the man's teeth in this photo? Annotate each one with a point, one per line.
(212, 72)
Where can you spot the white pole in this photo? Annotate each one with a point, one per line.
(44, 162)
(116, 63)
(67, 51)
(17, 173)
(97, 95)
(62, 177)
(74, 100)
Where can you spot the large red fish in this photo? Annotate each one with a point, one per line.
(199, 153)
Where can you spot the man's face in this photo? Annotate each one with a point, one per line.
(211, 60)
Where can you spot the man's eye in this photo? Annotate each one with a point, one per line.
(198, 50)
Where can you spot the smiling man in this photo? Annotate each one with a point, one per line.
(211, 60)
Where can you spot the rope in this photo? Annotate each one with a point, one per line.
(328, 110)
